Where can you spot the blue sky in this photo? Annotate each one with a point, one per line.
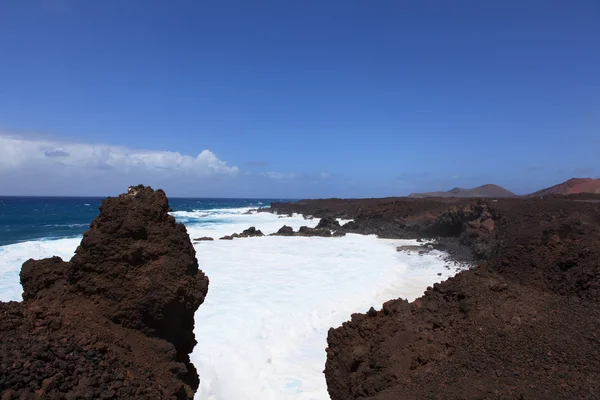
(297, 99)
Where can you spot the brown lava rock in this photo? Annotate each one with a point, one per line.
(285, 231)
(250, 232)
(523, 324)
(116, 321)
(203, 239)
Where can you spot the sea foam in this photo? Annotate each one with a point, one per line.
(13, 256)
(262, 329)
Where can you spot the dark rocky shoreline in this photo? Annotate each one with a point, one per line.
(116, 321)
(523, 324)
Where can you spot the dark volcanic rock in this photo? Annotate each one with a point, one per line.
(203, 239)
(114, 322)
(521, 325)
(251, 232)
(328, 223)
(516, 326)
(306, 231)
(285, 231)
(350, 226)
(474, 224)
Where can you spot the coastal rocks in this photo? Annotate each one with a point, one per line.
(203, 239)
(250, 232)
(306, 231)
(416, 249)
(328, 223)
(474, 224)
(518, 324)
(350, 226)
(323, 229)
(522, 324)
(285, 231)
(327, 227)
(117, 319)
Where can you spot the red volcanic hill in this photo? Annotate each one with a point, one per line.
(572, 186)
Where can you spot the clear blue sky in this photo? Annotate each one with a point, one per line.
(297, 98)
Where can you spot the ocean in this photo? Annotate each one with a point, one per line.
(34, 218)
(262, 330)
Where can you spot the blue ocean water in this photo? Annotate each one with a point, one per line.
(32, 218)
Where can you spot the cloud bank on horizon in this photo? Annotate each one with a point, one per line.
(18, 153)
(33, 166)
(54, 167)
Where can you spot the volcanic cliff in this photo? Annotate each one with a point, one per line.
(116, 321)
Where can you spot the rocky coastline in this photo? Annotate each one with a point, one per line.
(117, 320)
(524, 323)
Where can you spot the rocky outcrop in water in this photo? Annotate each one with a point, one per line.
(327, 227)
(250, 232)
(116, 321)
(203, 239)
(285, 231)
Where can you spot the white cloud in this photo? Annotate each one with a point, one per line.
(17, 153)
(42, 166)
(32, 166)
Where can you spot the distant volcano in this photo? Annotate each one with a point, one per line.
(488, 190)
(572, 186)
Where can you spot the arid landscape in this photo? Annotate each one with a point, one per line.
(572, 186)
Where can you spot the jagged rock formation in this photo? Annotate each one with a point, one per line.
(116, 321)
(250, 232)
(285, 231)
(473, 224)
(203, 239)
(328, 223)
(327, 227)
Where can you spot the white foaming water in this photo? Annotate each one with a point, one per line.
(228, 221)
(262, 329)
(13, 256)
